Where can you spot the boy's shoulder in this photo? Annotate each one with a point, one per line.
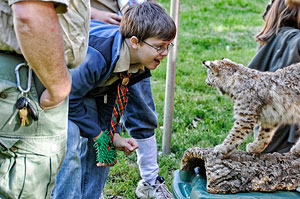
(106, 39)
(100, 29)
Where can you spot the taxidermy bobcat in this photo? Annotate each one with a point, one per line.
(267, 99)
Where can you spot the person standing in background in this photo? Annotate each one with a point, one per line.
(279, 47)
(36, 38)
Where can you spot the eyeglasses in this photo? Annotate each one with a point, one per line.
(161, 49)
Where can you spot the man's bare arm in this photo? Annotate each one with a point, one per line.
(39, 35)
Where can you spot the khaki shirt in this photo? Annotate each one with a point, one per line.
(74, 16)
(108, 5)
(105, 5)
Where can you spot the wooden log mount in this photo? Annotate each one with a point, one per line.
(244, 172)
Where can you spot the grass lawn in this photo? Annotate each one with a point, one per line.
(208, 30)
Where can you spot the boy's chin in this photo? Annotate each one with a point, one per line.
(152, 67)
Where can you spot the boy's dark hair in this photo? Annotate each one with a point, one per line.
(147, 20)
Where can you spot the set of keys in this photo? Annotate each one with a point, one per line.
(23, 105)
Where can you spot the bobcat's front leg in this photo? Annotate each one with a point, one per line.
(262, 138)
(240, 130)
(296, 148)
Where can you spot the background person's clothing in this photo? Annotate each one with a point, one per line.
(105, 5)
(140, 117)
(280, 51)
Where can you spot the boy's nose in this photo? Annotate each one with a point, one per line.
(165, 52)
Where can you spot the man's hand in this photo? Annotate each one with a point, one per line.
(128, 145)
(47, 101)
(106, 17)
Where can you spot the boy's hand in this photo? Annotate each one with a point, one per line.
(101, 164)
(128, 145)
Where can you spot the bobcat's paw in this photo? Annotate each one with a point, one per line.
(254, 148)
(295, 150)
(222, 150)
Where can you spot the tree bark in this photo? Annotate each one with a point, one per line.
(243, 172)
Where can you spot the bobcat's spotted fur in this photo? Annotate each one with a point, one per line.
(267, 99)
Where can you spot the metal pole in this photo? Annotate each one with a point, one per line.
(170, 84)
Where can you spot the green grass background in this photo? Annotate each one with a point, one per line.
(208, 30)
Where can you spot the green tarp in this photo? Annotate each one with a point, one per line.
(188, 185)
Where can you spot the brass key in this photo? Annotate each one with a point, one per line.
(23, 112)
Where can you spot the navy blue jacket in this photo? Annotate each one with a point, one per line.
(105, 42)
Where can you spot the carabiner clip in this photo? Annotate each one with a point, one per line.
(28, 79)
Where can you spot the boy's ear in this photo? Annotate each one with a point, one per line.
(134, 41)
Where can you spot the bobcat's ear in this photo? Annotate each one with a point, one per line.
(226, 59)
(212, 66)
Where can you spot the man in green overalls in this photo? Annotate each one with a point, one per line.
(48, 37)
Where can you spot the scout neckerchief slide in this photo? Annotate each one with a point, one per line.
(106, 152)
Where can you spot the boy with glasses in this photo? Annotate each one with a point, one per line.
(112, 50)
(139, 117)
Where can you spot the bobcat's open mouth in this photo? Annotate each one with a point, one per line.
(221, 90)
(208, 83)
